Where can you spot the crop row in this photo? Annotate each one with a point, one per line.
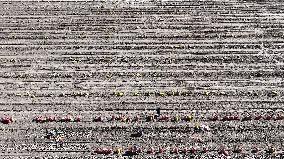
(269, 116)
(172, 74)
(194, 94)
(135, 150)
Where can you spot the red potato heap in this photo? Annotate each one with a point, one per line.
(105, 151)
(254, 150)
(67, 118)
(6, 120)
(70, 118)
(151, 150)
(257, 117)
(223, 151)
(134, 150)
(238, 149)
(161, 150)
(174, 150)
(279, 117)
(184, 150)
(164, 118)
(98, 119)
(205, 150)
(44, 119)
(121, 118)
(231, 118)
(136, 119)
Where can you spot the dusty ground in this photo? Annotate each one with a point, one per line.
(92, 59)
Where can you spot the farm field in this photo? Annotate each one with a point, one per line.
(141, 79)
